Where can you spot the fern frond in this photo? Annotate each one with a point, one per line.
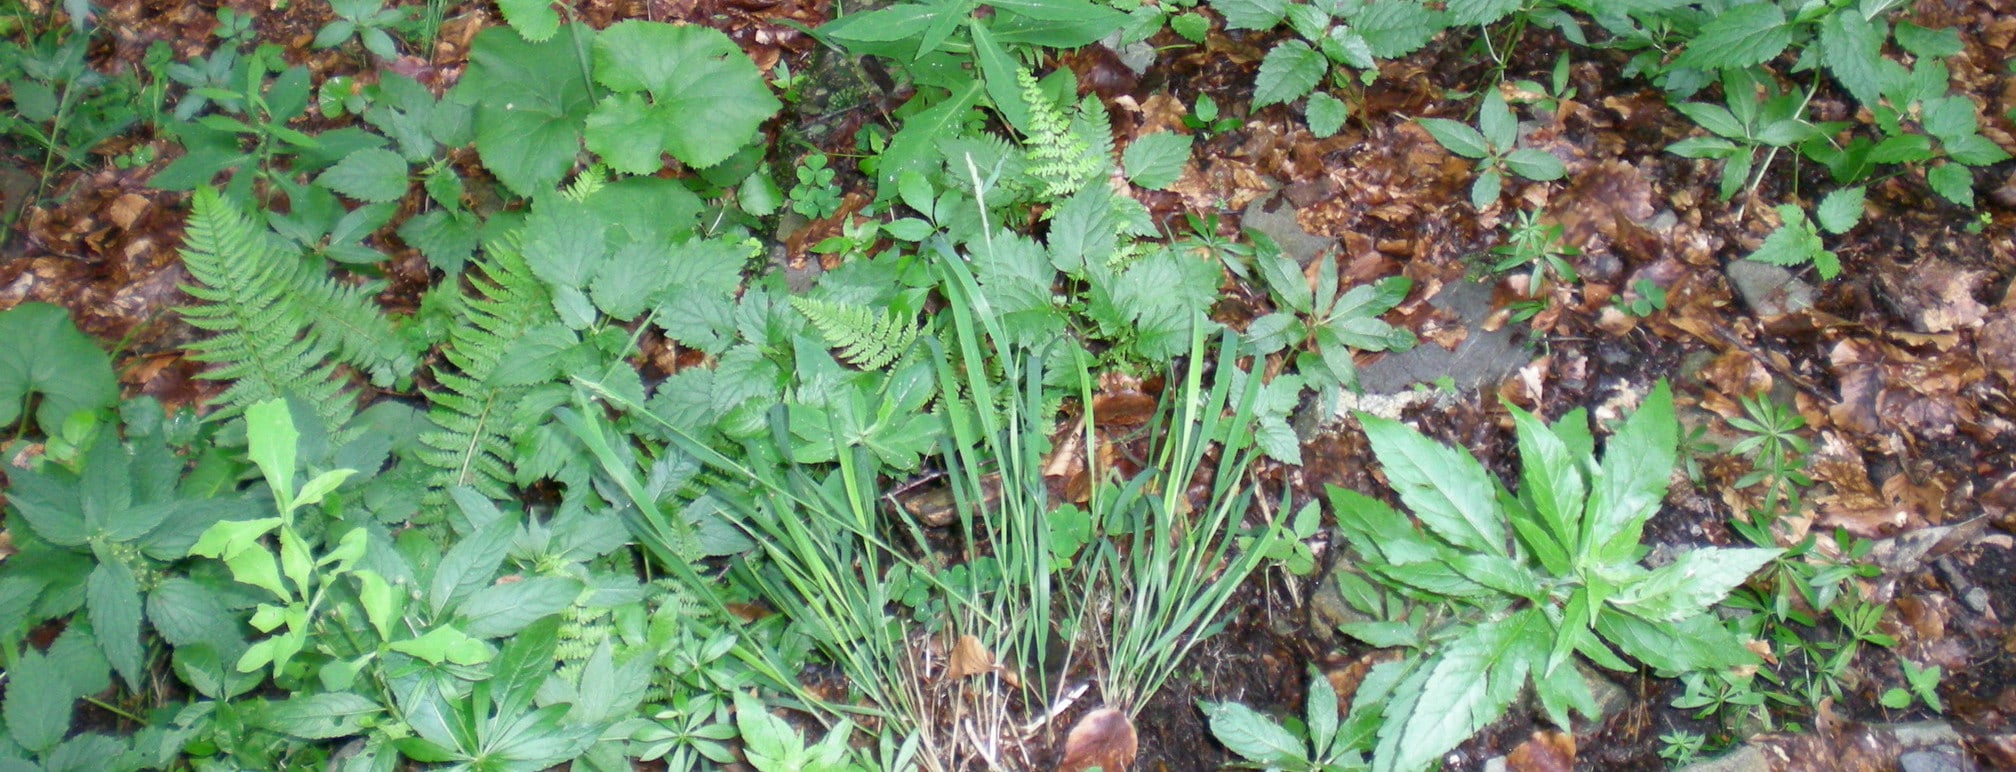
(1059, 157)
(349, 320)
(476, 419)
(866, 339)
(589, 182)
(262, 307)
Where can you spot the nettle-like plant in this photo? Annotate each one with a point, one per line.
(1495, 589)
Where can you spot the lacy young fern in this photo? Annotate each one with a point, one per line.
(866, 339)
(476, 418)
(1058, 156)
(279, 326)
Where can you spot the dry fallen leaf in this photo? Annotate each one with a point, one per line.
(1543, 752)
(969, 657)
(1104, 739)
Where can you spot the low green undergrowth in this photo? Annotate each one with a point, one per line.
(615, 489)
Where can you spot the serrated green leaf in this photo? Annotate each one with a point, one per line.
(1346, 47)
(371, 175)
(625, 284)
(1852, 49)
(1700, 642)
(1466, 687)
(1470, 13)
(112, 597)
(185, 613)
(1952, 182)
(1535, 165)
(1975, 150)
(1445, 487)
(45, 354)
(530, 102)
(1744, 36)
(1702, 147)
(1457, 137)
(565, 243)
(1948, 118)
(1691, 583)
(1551, 478)
(1928, 43)
(1154, 161)
(1796, 243)
(1902, 149)
(505, 609)
(1484, 192)
(37, 706)
(1251, 14)
(1288, 72)
(535, 20)
(707, 99)
(1191, 26)
(1636, 469)
(1253, 736)
(322, 716)
(1396, 28)
(1715, 118)
(1325, 114)
(445, 239)
(1496, 122)
(1841, 209)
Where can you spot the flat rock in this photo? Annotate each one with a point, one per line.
(1769, 290)
(1274, 215)
(1483, 358)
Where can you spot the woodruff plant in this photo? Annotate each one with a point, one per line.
(1505, 588)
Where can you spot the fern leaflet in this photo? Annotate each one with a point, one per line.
(1058, 156)
(278, 326)
(866, 339)
(475, 418)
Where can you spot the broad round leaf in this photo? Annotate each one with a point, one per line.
(46, 354)
(707, 98)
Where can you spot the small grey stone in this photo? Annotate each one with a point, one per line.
(1769, 290)
(1748, 758)
(1936, 760)
(1497, 764)
(1274, 216)
(1610, 698)
(1137, 55)
(1482, 358)
(1924, 734)
(1663, 221)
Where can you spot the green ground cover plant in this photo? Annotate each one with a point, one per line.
(536, 554)
(1499, 589)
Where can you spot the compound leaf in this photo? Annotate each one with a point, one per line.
(1743, 36)
(112, 597)
(1288, 72)
(373, 174)
(1445, 487)
(1841, 209)
(1155, 161)
(1325, 114)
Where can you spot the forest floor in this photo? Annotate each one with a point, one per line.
(1900, 368)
